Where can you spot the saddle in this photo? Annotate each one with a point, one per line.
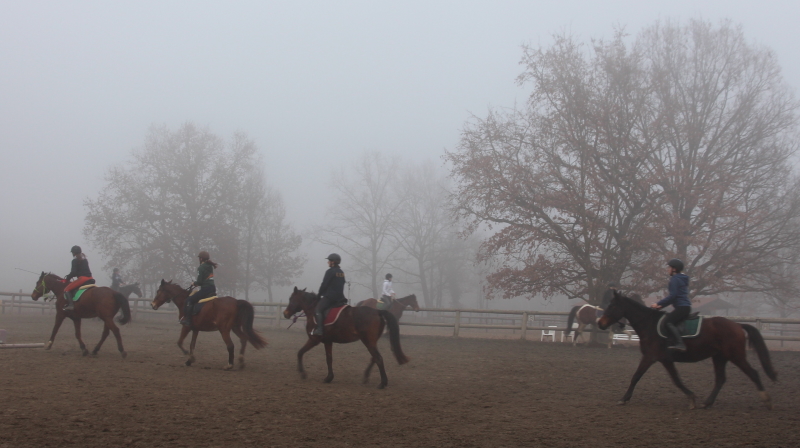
(689, 328)
(381, 305)
(199, 305)
(79, 292)
(333, 314)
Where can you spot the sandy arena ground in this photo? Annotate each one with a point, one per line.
(453, 393)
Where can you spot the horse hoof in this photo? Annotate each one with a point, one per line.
(303, 375)
(622, 403)
(381, 386)
(124, 354)
(328, 379)
(94, 354)
(241, 365)
(85, 352)
(48, 345)
(365, 380)
(228, 367)
(189, 361)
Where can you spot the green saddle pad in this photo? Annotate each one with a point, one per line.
(382, 305)
(690, 328)
(80, 292)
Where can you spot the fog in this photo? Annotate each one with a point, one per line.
(314, 84)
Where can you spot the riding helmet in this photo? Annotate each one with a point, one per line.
(676, 264)
(75, 250)
(388, 276)
(204, 255)
(334, 258)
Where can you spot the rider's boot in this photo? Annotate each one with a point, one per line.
(186, 320)
(676, 336)
(320, 318)
(70, 304)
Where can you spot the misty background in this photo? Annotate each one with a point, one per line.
(313, 85)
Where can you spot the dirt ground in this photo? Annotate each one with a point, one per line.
(453, 393)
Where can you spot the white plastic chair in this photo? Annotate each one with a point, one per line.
(549, 333)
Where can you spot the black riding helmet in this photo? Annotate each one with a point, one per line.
(676, 264)
(75, 250)
(334, 258)
(388, 276)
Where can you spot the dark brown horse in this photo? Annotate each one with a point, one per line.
(720, 339)
(397, 307)
(100, 301)
(355, 323)
(127, 290)
(223, 314)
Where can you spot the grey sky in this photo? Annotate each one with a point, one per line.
(313, 83)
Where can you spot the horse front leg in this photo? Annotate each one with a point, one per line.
(191, 348)
(182, 337)
(673, 373)
(644, 364)
(368, 370)
(60, 316)
(329, 361)
(102, 339)
(77, 322)
(311, 343)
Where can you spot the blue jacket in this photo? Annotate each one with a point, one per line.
(678, 292)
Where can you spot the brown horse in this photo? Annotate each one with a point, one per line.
(100, 301)
(223, 314)
(720, 339)
(397, 307)
(355, 323)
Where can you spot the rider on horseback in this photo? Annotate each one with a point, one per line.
(388, 293)
(679, 299)
(205, 281)
(331, 292)
(116, 280)
(80, 269)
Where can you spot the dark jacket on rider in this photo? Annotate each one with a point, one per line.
(80, 267)
(678, 292)
(332, 287)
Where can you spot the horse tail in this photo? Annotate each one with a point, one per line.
(572, 313)
(757, 343)
(244, 318)
(124, 306)
(394, 335)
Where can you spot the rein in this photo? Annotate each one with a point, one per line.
(295, 317)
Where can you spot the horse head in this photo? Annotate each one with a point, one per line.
(167, 291)
(135, 289)
(619, 307)
(411, 301)
(47, 282)
(296, 303)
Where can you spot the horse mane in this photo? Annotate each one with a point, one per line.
(636, 304)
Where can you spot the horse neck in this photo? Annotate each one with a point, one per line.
(55, 285)
(641, 317)
(179, 299)
(309, 303)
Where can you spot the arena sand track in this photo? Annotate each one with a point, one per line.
(454, 393)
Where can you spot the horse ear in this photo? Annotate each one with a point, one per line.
(162, 282)
(304, 289)
(295, 289)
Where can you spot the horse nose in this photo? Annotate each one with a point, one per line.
(153, 305)
(285, 314)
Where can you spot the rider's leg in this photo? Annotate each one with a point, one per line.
(678, 315)
(70, 304)
(319, 316)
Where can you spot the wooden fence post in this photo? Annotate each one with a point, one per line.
(524, 327)
(457, 326)
(278, 315)
(12, 304)
(20, 302)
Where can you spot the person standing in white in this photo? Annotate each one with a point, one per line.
(388, 293)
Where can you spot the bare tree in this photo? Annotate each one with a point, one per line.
(421, 223)
(359, 221)
(176, 197)
(627, 155)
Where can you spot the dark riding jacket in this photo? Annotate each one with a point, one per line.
(678, 292)
(80, 268)
(205, 275)
(332, 287)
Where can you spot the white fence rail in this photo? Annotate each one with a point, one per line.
(774, 329)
